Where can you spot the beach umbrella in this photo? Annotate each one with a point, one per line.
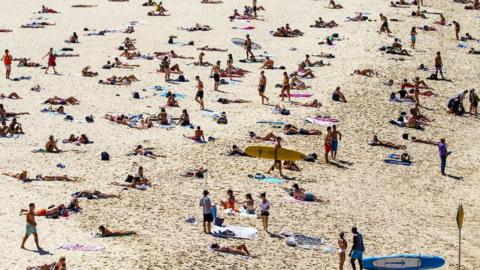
(460, 216)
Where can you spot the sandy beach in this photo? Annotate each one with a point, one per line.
(398, 209)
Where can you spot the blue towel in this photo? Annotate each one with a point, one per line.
(271, 180)
(398, 162)
(177, 95)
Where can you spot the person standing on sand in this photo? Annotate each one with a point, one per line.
(328, 143)
(336, 136)
(442, 151)
(357, 249)
(7, 61)
(277, 163)
(342, 245)
(199, 95)
(51, 61)
(439, 65)
(264, 210)
(248, 47)
(31, 227)
(457, 29)
(206, 204)
(215, 73)
(473, 98)
(413, 37)
(262, 84)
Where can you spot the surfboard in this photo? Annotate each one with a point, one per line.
(266, 152)
(241, 42)
(403, 262)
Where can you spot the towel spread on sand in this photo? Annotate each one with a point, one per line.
(235, 232)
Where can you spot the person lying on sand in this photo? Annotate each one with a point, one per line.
(24, 62)
(269, 137)
(107, 232)
(300, 194)
(93, 195)
(236, 250)
(321, 24)
(333, 5)
(287, 32)
(59, 110)
(130, 55)
(291, 166)
(237, 16)
(114, 80)
(62, 101)
(52, 211)
(24, 176)
(60, 265)
(235, 151)
(313, 104)
(174, 55)
(51, 145)
(377, 142)
(289, 129)
(47, 10)
(140, 150)
(197, 27)
(208, 49)
(211, 2)
(119, 64)
(358, 18)
(366, 72)
(229, 101)
(12, 95)
(149, 3)
(87, 73)
(418, 140)
(297, 84)
(309, 63)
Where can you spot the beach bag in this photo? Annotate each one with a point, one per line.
(129, 178)
(69, 117)
(219, 221)
(104, 156)
(222, 120)
(284, 112)
(392, 95)
(181, 78)
(136, 95)
(89, 119)
(291, 241)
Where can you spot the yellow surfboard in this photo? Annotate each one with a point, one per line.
(266, 152)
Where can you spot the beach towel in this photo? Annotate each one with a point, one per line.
(289, 198)
(210, 113)
(303, 241)
(80, 247)
(401, 100)
(14, 136)
(21, 78)
(243, 213)
(177, 95)
(266, 179)
(274, 123)
(319, 121)
(236, 232)
(398, 162)
(39, 150)
(301, 95)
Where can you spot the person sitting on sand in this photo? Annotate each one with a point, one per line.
(149, 3)
(297, 84)
(321, 24)
(51, 145)
(269, 137)
(236, 250)
(5, 130)
(201, 62)
(268, 64)
(338, 95)
(15, 127)
(197, 173)
(289, 129)
(83, 139)
(291, 166)
(12, 95)
(199, 136)
(60, 265)
(171, 101)
(442, 20)
(87, 73)
(184, 119)
(333, 5)
(62, 101)
(304, 72)
(235, 151)
(248, 204)
(300, 194)
(377, 142)
(107, 232)
(73, 38)
(128, 43)
(309, 63)
(230, 203)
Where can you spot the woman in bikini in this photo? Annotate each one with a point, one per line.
(285, 87)
(342, 245)
(184, 119)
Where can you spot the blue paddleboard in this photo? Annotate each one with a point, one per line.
(403, 262)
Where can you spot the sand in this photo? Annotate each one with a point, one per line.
(398, 209)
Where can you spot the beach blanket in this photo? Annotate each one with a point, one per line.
(274, 123)
(300, 95)
(177, 95)
(14, 136)
(80, 247)
(400, 100)
(235, 232)
(303, 241)
(210, 113)
(322, 121)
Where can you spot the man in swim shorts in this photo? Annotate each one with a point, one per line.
(262, 84)
(357, 249)
(328, 143)
(199, 95)
(439, 65)
(7, 61)
(31, 227)
(206, 204)
(336, 136)
(215, 73)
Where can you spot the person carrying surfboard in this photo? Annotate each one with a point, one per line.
(356, 253)
(277, 162)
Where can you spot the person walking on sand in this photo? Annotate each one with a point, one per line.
(215, 74)
(336, 136)
(199, 95)
(342, 245)
(206, 204)
(262, 85)
(439, 65)
(7, 61)
(248, 47)
(442, 151)
(285, 87)
(264, 210)
(31, 227)
(328, 143)
(356, 253)
(277, 163)
(51, 61)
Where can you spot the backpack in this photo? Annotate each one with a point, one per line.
(104, 156)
